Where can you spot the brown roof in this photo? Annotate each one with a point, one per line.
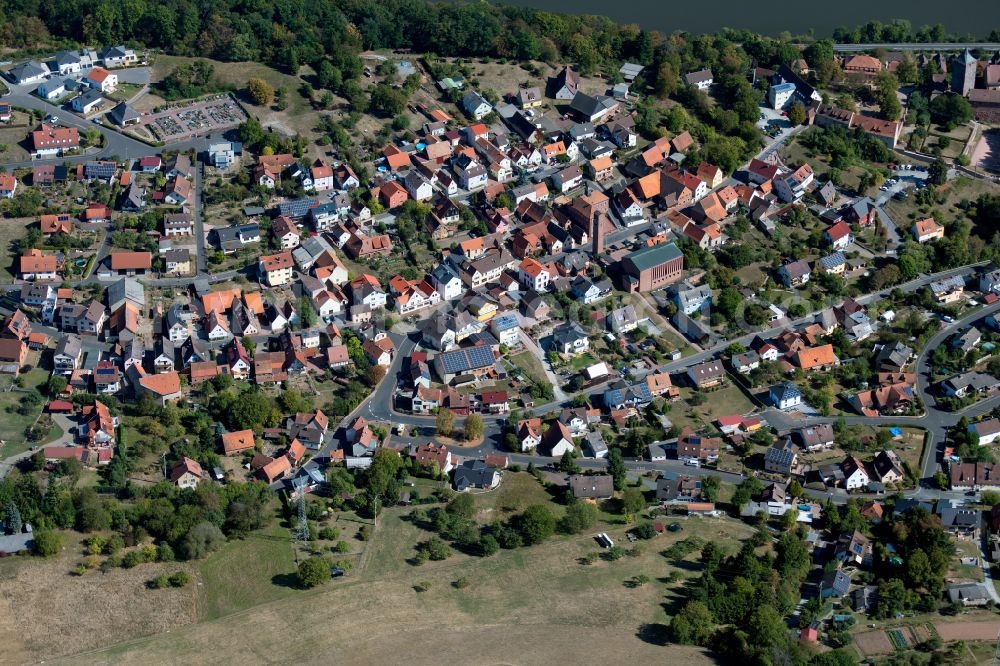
(275, 469)
(812, 357)
(123, 261)
(274, 262)
(34, 261)
(234, 442)
(167, 383)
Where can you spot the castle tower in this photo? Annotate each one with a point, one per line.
(963, 74)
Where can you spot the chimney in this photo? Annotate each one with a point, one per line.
(597, 234)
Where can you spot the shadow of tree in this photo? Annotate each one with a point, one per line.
(289, 580)
(654, 633)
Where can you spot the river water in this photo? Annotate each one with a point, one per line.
(975, 17)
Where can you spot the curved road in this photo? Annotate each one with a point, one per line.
(379, 406)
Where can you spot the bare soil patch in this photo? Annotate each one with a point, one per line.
(986, 154)
(968, 631)
(874, 643)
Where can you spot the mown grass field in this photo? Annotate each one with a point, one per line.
(248, 572)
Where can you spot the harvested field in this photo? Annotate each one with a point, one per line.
(51, 612)
(968, 631)
(874, 643)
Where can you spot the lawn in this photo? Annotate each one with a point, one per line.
(529, 605)
(124, 92)
(529, 364)
(726, 401)
(12, 424)
(247, 573)
(13, 138)
(10, 231)
(959, 571)
(795, 153)
(905, 212)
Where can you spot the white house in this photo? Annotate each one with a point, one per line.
(855, 475)
(446, 282)
(785, 395)
(475, 105)
(987, 431)
(51, 89)
(533, 275)
(417, 186)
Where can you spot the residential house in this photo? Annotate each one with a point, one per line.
(785, 395)
(855, 475)
(475, 474)
(927, 230)
(706, 375)
(794, 273)
(591, 486)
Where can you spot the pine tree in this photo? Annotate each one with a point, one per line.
(12, 522)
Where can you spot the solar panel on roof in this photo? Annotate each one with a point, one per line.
(462, 360)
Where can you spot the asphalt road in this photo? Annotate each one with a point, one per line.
(379, 405)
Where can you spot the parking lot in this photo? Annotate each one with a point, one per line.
(186, 122)
(903, 179)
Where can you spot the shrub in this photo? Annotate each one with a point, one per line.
(180, 579)
(203, 539)
(462, 583)
(329, 533)
(47, 543)
(313, 572)
(159, 582)
(164, 553)
(341, 547)
(133, 558)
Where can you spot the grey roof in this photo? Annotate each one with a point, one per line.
(177, 256)
(568, 333)
(895, 356)
(833, 260)
(90, 96)
(474, 474)
(463, 360)
(126, 289)
(135, 196)
(783, 457)
(71, 346)
(699, 76)
(590, 106)
(123, 113)
(968, 591)
(114, 52)
(473, 99)
(838, 581)
(67, 58)
(28, 70)
(630, 70)
(785, 391)
(595, 443)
